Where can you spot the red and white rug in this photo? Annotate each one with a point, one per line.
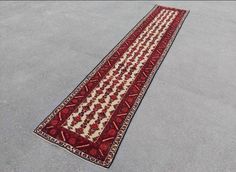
(91, 122)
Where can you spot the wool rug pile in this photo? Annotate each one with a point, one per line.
(91, 122)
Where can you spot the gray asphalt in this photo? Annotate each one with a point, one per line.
(187, 120)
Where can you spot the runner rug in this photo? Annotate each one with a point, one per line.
(91, 122)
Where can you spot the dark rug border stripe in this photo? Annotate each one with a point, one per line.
(101, 62)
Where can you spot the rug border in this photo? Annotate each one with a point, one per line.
(130, 115)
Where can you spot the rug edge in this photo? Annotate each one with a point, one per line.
(107, 165)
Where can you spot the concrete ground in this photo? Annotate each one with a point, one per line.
(187, 120)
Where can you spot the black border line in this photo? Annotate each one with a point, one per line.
(139, 103)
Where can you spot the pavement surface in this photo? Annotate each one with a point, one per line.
(187, 120)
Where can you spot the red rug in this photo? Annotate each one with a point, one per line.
(91, 122)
